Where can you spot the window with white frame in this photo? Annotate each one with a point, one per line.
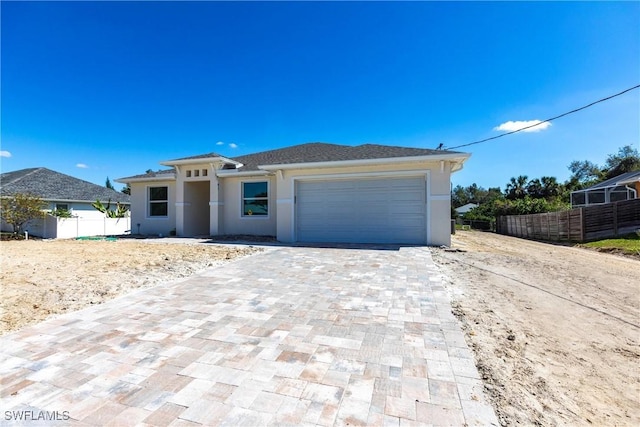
(158, 201)
(255, 198)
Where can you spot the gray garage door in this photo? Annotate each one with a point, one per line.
(380, 210)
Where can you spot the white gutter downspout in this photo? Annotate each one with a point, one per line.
(635, 193)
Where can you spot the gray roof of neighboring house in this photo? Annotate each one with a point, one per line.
(613, 182)
(466, 208)
(52, 185)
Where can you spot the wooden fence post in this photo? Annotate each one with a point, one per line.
(615, 219)
(583, 225)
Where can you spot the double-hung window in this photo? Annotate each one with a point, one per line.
(255, 198)
(158, 201)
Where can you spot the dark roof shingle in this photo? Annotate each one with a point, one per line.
(311, 152)
(149, 174)
(52, 185)
(323, 152)
(613, 181)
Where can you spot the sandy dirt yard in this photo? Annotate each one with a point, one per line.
(41, 278)
(555, 329)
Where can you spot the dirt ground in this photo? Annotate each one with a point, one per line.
(41, 278)
(555, 329)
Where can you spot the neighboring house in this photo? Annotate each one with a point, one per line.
(60, 191)
(465, 208)
(621, 187)
(313, 192)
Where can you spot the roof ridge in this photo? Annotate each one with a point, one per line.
(31, 172)
(53, 185)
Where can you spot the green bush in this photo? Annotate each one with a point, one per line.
(61, 213)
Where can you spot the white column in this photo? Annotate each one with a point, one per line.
(179, 202)
(214, 203)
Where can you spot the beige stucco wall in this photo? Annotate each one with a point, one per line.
(139, 214)
(232, 220)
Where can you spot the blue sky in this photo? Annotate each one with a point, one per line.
(97, 89)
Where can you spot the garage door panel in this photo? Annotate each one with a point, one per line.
(380, 210)
(405, 212)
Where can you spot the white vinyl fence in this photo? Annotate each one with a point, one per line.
(52, 227)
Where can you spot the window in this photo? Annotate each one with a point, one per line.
(196, 172)
(158, 201)
(204, 172)
(188, 174)
(255, 199)
(62, 207)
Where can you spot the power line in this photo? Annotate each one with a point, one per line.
(549, 292)
(545, 121)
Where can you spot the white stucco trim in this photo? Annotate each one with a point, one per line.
(427, 177)
(455, 158)
(269, 198)
(147, 202)
(216, 203)
(348, 175)
(79, 201)
(165, 177)
(225, 173)
(183, 204)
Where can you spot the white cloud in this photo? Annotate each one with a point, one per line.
(219, 143)
(82, 166)
(511, 126)
(5, 153)
(233, 145)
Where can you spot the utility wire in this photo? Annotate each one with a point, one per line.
(544, 121)
(549, 292)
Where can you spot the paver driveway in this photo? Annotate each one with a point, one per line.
(291, 336)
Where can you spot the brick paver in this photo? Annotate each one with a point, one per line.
(290, 336)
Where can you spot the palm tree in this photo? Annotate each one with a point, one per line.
(535, 189)
(517, 187)
(550, 187)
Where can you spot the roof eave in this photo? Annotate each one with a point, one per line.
(628, 181)
(227, 173)
(56, 199)
(457, 158)
(165, 177)
(200, 160)
(86, 201)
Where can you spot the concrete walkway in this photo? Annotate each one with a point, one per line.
(291, 336)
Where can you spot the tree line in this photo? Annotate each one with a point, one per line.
(545, 194)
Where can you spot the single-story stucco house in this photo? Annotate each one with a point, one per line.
(314, 192)
(61, 192)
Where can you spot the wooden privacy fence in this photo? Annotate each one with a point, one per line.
(579, 224)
